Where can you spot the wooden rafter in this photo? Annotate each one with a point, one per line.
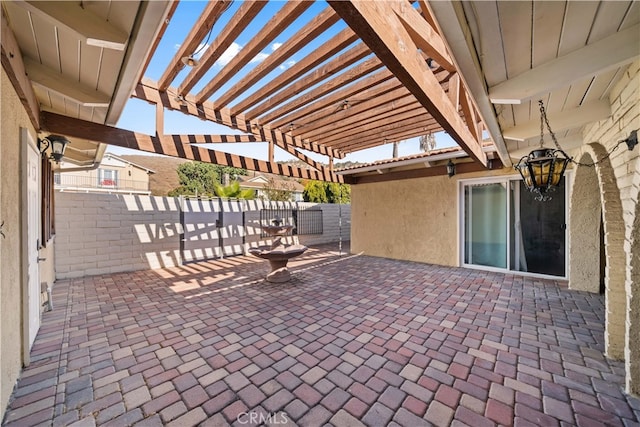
(379, 27)
(319, 75)
(306, 34)
(331, 100)
(148, 91)
(278, 23)
(343, 39)
(203, 25)
(171, 145)
(238, 22)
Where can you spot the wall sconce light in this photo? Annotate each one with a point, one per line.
(57, 143)
(543, 168)
(451, 168)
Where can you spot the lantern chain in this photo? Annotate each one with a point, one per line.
(545, 120)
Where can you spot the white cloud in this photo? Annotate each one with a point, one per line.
(275, 46)
(260, 57)
(290, 63)
(228, 55)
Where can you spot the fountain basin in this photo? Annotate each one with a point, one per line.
(278, 258)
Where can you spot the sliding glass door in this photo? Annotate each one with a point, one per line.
(486, 231)
(506, 228)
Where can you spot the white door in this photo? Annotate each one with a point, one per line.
(33, 239)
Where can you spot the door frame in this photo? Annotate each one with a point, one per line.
(27, 142)
(568, 176)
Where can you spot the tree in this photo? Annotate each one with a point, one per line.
(200, 179)
(277, 191)
(233, 191)
(315, 191)
(326, 192)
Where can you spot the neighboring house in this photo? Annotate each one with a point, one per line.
(258, 182)
(114, 175)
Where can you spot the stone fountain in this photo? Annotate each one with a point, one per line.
(278, 254)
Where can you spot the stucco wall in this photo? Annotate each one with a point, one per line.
(622, 331)
(412, 219)
(12, 118)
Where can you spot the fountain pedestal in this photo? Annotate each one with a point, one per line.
(278, 254)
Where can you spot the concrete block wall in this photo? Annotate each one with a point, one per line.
(108, 233)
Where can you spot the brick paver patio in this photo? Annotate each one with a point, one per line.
(351, 341)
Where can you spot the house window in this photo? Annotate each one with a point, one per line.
(505, 228)
(107, 178)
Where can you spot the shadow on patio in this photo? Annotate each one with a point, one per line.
(350, 340)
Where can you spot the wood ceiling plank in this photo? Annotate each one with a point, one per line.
(11, 59)
(325, 71)
(56, 82)
(92, 29)
(548, 17)
(424, 36)
(276, 25)
(608, 19)
(604, 55)
(602, 84)
(490, 52)
(172, 146)
(201, 27)
(633, 16)
(381, 30)
(579, 16)
(158, 37)
(319, 24)
(235, 26)
(376, 84)
(516, 18)
(343, 39)
(568, 119)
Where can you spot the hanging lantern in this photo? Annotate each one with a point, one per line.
(542, 170)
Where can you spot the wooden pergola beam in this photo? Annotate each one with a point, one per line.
(277, 24)
(318, 103)
(379, 27)
(203, 25)
(171, 145)
(148, 91)
(343, 39)
(327, 70)
(236, 25)
(306, 34)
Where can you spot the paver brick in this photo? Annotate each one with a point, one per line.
(340, 348)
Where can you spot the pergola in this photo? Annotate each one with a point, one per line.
(383, 72)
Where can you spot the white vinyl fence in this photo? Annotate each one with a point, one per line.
(107, 233)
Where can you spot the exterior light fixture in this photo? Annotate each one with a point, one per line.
(57, 143)
(542, 170)
(181, 100)
(190, 61)
(451, 168)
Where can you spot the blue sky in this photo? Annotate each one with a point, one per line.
(139, 116)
